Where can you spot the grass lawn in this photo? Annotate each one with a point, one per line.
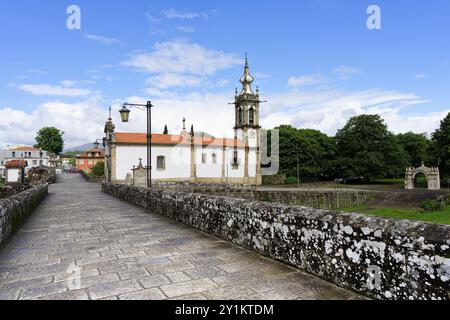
(441, 217)
(400, 181)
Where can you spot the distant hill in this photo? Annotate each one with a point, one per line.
(83, 147)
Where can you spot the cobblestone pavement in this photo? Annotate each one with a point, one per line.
(124, 252)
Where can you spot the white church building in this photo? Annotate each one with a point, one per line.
(187, 157)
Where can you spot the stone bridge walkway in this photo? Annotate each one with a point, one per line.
(123, 252)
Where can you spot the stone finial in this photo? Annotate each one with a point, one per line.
(166, 130)
(140, 166)
(184, 123)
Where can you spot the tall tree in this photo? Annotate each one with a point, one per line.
(313, 149)
(366, 148)
(50, 139)
(416, 146)
(440, 148)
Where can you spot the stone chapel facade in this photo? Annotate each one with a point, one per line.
(187, 157)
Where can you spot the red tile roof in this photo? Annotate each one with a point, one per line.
(24, 149)
(169, 139)
(11, 164)
(87, 155)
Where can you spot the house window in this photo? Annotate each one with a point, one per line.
(214, 158)
(90, 162)
(34, 162)
(204, 158)
(13, 155)
(41, 154)
(161, 163)
(41, 162)
(81, 162)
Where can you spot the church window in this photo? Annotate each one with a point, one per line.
(241, 116)
(161, 163)
(214, 158)
(251, 116)
(204, 158)
(235, 157)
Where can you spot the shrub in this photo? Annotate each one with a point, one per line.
(291, 180)
(432, 205)
(98, 170)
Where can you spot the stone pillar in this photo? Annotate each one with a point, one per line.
(409, 179)
(193, 162)
(258, 181)
(224, 163)
(246, 175)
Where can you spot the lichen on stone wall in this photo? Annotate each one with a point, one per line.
(14, 209)
(381, 258)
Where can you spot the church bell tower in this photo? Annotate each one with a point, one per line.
(247, 127)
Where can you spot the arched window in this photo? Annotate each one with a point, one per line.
(251, 116)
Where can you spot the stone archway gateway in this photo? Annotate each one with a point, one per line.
(432, 175)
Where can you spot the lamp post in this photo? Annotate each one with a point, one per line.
(125, 115)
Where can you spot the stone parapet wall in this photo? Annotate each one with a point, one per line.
(314, 198)
(380, 258)
(7, 191)
(318, 199)
(91, 179)
(15, 209)
(189, 186)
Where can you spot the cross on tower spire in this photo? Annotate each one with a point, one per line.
(246, 79)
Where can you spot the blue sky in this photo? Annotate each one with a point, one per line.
(315, 61)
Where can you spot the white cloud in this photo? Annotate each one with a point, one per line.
(36, 71)
(82, 122)
(209, 112)
(329, 110)
(166, 80)
(187, 29)
(102, 39)
(419, 76)
(69, 83)
(307, 80)
(346, 72)
(152, 17)
(174, 14)
(324, 110)
(182, 57)
(52, 90)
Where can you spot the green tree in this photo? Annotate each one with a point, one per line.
(50, 139)
(366, 148)
(98, 170)
(315, 152)
(440, 148)
(416, 146)
(73, 162)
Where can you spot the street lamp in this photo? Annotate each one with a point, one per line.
(125, 115)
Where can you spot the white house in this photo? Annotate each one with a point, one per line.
(34, 157)
(189, 157)
(2, 163)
